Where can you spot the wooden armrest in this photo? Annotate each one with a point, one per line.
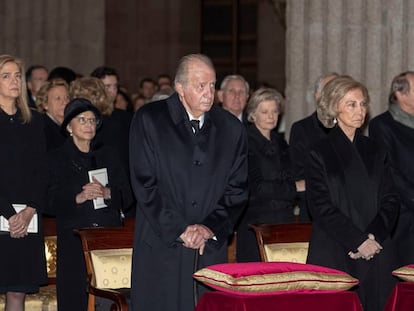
(119, 296)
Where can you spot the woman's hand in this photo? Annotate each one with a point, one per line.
(19, 223)
(92, 191)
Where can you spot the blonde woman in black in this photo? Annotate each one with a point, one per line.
(23, 181)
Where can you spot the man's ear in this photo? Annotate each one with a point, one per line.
(398, 94)
(179, 88)
(220, 95)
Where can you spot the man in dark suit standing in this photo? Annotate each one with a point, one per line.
(304, 133)
(36, 75)
(233, 96)
(189, 174)
(394, 130)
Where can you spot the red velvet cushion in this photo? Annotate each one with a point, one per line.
(405, 273)
(273, 277)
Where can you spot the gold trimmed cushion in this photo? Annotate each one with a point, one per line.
(273, 277)
(290, 252)
(405, 273)
(112, 268)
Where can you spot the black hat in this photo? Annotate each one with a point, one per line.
(77, 106)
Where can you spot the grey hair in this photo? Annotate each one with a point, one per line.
(332, 94)
(261, 95)
(318, 83)
(399, 84)
(181, 73)
(229, 78)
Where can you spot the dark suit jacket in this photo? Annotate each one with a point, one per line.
(181, 179)
(30, 101)
(303, 134)
(114, 132)
(351, 193)
(398, 139)
(54, 136)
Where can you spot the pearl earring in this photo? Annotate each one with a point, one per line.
(335, 121)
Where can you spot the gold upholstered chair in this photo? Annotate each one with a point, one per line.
(108, 258)
(283, 242)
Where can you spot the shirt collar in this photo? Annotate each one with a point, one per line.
(201, 118)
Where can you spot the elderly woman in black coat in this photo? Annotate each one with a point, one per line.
(272, 188)
(79, 198)
(351, 195)
(51, 100)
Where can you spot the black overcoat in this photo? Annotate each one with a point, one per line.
(181, 179)
(114, 132)
(23, 180)
(54, 135)
(351, 193)
(272, 190)
(398, 139)
(68, 173)
(303, 134)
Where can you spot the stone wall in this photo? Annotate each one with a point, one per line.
(54, 33)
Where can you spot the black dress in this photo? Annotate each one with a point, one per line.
(68, 173)
(351, 193)
(23, 180)
(272, 190)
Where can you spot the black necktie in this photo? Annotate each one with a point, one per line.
(195, 124)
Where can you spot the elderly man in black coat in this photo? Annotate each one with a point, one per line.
(190, 181)
(394, 130)
(303, 134)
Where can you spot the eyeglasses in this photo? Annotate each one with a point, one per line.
(91, 121)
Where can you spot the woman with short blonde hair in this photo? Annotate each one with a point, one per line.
(272, 188)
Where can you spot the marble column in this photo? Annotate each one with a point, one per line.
(371, 40)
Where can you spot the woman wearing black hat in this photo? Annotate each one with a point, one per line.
(88, 188)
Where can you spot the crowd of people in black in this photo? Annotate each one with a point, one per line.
(192, 171)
